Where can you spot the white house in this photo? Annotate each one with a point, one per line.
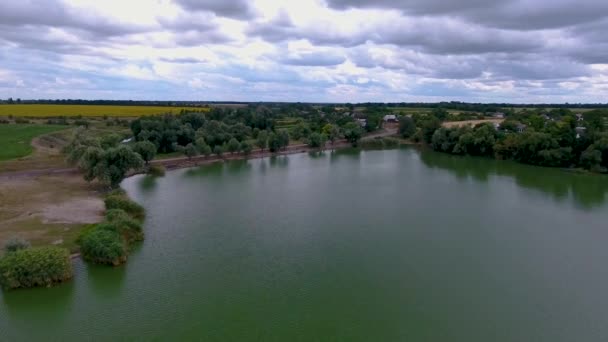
(390, 118)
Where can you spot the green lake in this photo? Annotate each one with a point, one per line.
(392, 245)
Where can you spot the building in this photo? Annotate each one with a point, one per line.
(362, 122)
(579, 117)
(521, 128)
(499, 115)
(390, 118)
(580, 131)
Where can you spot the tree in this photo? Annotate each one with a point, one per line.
(332, 132)
(283, 137)
(146, 150)
(262, 140)
(273, 142)
(110, 140)
(218, 150)
(202, 147)
(428, 127)
(246, 147)
(191, 151)
(316, 140)
(108, 166)
(407, 127)
(353, 133)
(233, 145)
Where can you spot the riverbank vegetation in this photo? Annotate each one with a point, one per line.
(559, 138)
(109, 242)
(24, 267)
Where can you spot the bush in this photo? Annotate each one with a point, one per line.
(118, 220)
(103, 245)
(122, 202)
(16, 244)
(156, 170)
(35, 267)
(22, 121)
(4, 122)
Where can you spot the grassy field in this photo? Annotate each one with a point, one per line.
(15, 140)
(36, 110)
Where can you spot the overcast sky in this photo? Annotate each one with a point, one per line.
(306, 50)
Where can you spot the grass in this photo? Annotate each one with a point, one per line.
(43, 110)
(15, 140)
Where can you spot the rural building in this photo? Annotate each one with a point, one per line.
(390, 118)
(521, 128)
(579, 117)
(580, 131)
(362, 122)
(499, 115)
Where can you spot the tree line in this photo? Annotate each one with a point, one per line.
(561, 140)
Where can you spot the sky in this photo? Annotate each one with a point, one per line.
(516, 51)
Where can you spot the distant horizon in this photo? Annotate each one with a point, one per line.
(40, 100)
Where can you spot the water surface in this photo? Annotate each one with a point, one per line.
(396, 245)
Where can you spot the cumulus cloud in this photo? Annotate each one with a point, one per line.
(314, 50)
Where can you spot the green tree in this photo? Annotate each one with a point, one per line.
(246, 148)
(283, 137)
(191, 151)
(353, 133)
(428, 126)
(262, 140)
(332, 132)
(233, 145)
(274, 145)
(316, 140)
(218, 150)
(407, 127)
(146, 150)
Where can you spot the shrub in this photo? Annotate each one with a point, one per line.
(156, 170)
(103, 245)
(4, 122)
(124, 224)
(122, 202)
(16, 244)
(35, 267)
(22, 121)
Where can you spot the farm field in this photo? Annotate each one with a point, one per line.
(15, 140)
(38, 110)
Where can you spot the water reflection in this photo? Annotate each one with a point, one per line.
(106, 282)
(586, 190)
(147, 183)
(51, 305)
(279, 161)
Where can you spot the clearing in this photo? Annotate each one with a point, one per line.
(15, 140)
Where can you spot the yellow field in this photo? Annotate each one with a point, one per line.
(40, 110)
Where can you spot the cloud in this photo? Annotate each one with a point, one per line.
(321, 50)
(236, 9)
(510, 14)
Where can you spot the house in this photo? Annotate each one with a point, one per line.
(580, 131)
(496, 126)
(521, 128)
(126, 141)
(362, 122)
(390, 118)
(499, 115)
(579, 117)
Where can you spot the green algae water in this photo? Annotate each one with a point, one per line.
(394, 245)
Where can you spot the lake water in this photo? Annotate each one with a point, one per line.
(394, 245)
